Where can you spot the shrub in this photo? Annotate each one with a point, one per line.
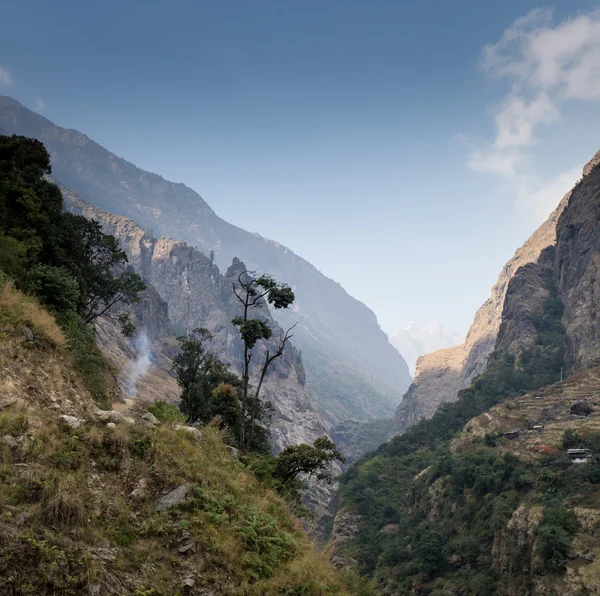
(167, 412)
(54, 287)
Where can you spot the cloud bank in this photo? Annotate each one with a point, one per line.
(546, 66)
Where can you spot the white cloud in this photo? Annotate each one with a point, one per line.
(6, 79)
(546, 67)
(39, 104)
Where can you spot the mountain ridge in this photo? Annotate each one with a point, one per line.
(340, 326)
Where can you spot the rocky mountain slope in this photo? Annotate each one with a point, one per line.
(414, 341)
(485, 497)
(442, 374)
(105, 502)
(196, 294)
(351, 367)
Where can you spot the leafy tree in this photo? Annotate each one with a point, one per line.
(12, 256)
(95, 258)
(253, 293)
(199, 374)
(55, 287)
(429, 551)
(312, 460)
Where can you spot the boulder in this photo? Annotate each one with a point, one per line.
(70, 421)
(111, 425)
(150, 417)
(10, 441)
(190, 429)
(28, 333)
(233, 451)
(581, 408)
(173, 498)
(109, 416)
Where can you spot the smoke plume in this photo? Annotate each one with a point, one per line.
(137, 369)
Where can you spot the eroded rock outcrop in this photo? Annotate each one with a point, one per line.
(198, 295)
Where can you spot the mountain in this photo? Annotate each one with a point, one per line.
(497, 493)
(194, 293)
(414, 341)
(134, 506)
(442, 374)
(351, 367)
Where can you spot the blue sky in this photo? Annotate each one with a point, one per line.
(405, 149)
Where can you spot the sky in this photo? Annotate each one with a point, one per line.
(406, 149)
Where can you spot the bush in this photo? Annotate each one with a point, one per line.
(167, 412)
(55, 288)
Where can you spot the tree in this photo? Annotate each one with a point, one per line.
(312, 460)
(96, 259)
(55, 287)
(211, 256)
(200, 373)
(253, 293)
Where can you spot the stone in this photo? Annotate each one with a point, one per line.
(173, 498)
(186, 548)
(10, 441)
(589, 558)
(140, 491)
(233, 451)
(190, 429)
(389, 529)
(581, 408)
(109, 416)
(111, 425)
(150, 417)
(22, 518)
(189, 582)
(28, 333)
(128, 420)
(70, 421)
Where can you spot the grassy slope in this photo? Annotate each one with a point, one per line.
(69, 523)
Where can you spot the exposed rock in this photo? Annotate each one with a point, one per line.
(173, 498)
(186, 548)
(233, 451)
(139, 492)
(345, 529)
(70, 421)
(28, 333)
(109, 416)
(575, 234)
(150, 417)
(128, 420)
(189, 582)
(581, 408)
(195, 432)
(389, 529)
(10, 442)
(174, 210)
(111, 425)
(589, 558)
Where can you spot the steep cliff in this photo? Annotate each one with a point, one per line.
(497, 493)
(442, 374)
(197, 295)
(340, 356)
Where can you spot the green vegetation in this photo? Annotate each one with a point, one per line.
(65, 260)
(448, 507)
(253, 293)
(167, 412)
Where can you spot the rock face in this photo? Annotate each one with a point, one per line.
(351, 368)
(441, 375)
(197, 295)
(414, 341)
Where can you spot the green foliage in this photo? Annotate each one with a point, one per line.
(312, 460)
(199, 373)
(55, 288)
(167, 412)
(65, 259)
(12, 256)
(88, 359)
(473, 495)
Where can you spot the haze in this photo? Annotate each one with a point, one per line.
(403, 149)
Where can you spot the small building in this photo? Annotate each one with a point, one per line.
(580, 456)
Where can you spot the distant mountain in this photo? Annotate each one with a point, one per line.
(352, 369)
(414, 341)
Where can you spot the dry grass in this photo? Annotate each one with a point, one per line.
(18, 309)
